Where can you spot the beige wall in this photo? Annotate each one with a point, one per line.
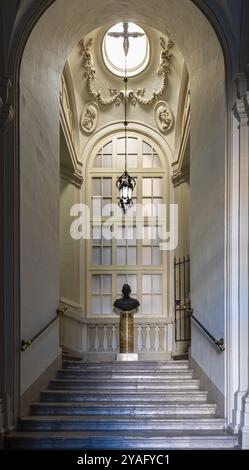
(70, 283)
(182, 198)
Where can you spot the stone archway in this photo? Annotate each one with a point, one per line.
(39, 139)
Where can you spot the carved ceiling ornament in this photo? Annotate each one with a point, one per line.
(163, 116)
(116, 96)
(89, 117)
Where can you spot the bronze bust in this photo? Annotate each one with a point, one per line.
(127, 303)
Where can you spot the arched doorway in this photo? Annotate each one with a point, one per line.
(199, 146)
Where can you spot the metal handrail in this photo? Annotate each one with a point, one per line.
(218, 342)
(25, 344)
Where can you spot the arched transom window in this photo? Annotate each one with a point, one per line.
(126, 248)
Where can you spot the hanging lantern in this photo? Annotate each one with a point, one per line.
(125, 183)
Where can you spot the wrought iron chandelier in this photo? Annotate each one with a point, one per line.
(125, 183)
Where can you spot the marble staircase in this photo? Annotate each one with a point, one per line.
(133, 405)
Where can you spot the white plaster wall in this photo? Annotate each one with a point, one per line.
(39, 192)
(44, 57)
(207, 163)
(182, 198)
(69, 248)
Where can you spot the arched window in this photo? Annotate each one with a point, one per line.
(134, 254)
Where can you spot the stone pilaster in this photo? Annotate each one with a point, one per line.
(241, 406)
(6, 117)
(6, 109)
(244, 433)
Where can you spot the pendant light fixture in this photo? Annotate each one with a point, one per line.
(125, 183)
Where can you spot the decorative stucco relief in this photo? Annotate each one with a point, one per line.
(163, 116)
(116, 96)
(89, 117)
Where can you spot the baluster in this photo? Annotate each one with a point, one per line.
(156, 342)
(105, 340)
(139, 338)
(165, 338)
(96, 342)
(114, 338)
(148, 342)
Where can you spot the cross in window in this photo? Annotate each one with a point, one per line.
(126, 35)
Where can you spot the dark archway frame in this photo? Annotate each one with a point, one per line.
(10, 192)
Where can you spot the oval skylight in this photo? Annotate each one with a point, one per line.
(126, 40)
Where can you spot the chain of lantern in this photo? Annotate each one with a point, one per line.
(125, 118)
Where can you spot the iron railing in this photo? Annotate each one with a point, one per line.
(218, 342)
(25, 344)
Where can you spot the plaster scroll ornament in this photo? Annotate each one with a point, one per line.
(89, 117)
(116, 96)
(163, 116)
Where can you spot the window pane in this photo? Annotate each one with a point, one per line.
(149, 235)
(158, 206)
(146, 256)
(121, 280)
(107, 187)
(132, 145)
(107, 161)
(146, 148)
(107, 234)
(96, 235)
(157, 304)
(147, 187)
(156, 255)
(106, 256)
(106, 207)
(132, 161)
(96, 186)
(132, 281)
(146, 305)
(147, 161)
(157, 187)
(97, 161)
(96, 284)
(120, 161)
(106, 284)
(121, 255)
(131, 235)
(96, 207)
(146, 284)
(96, 256)
(96, 305)
(107, 149)
(121, 241)
(121, 145)
(107, 304)
(157, 284)
(156, 161)
(132, 256)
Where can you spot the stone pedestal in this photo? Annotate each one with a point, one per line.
(126, 357)
(126, 307)
(126, 332)
(126, 337)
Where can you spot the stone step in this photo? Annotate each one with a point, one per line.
(131, 376)
(115, 408)
(131, 366)
(173, 384)
(138, 396)
(123, 440)
(108, 423)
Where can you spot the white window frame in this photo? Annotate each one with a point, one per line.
(114, 269)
